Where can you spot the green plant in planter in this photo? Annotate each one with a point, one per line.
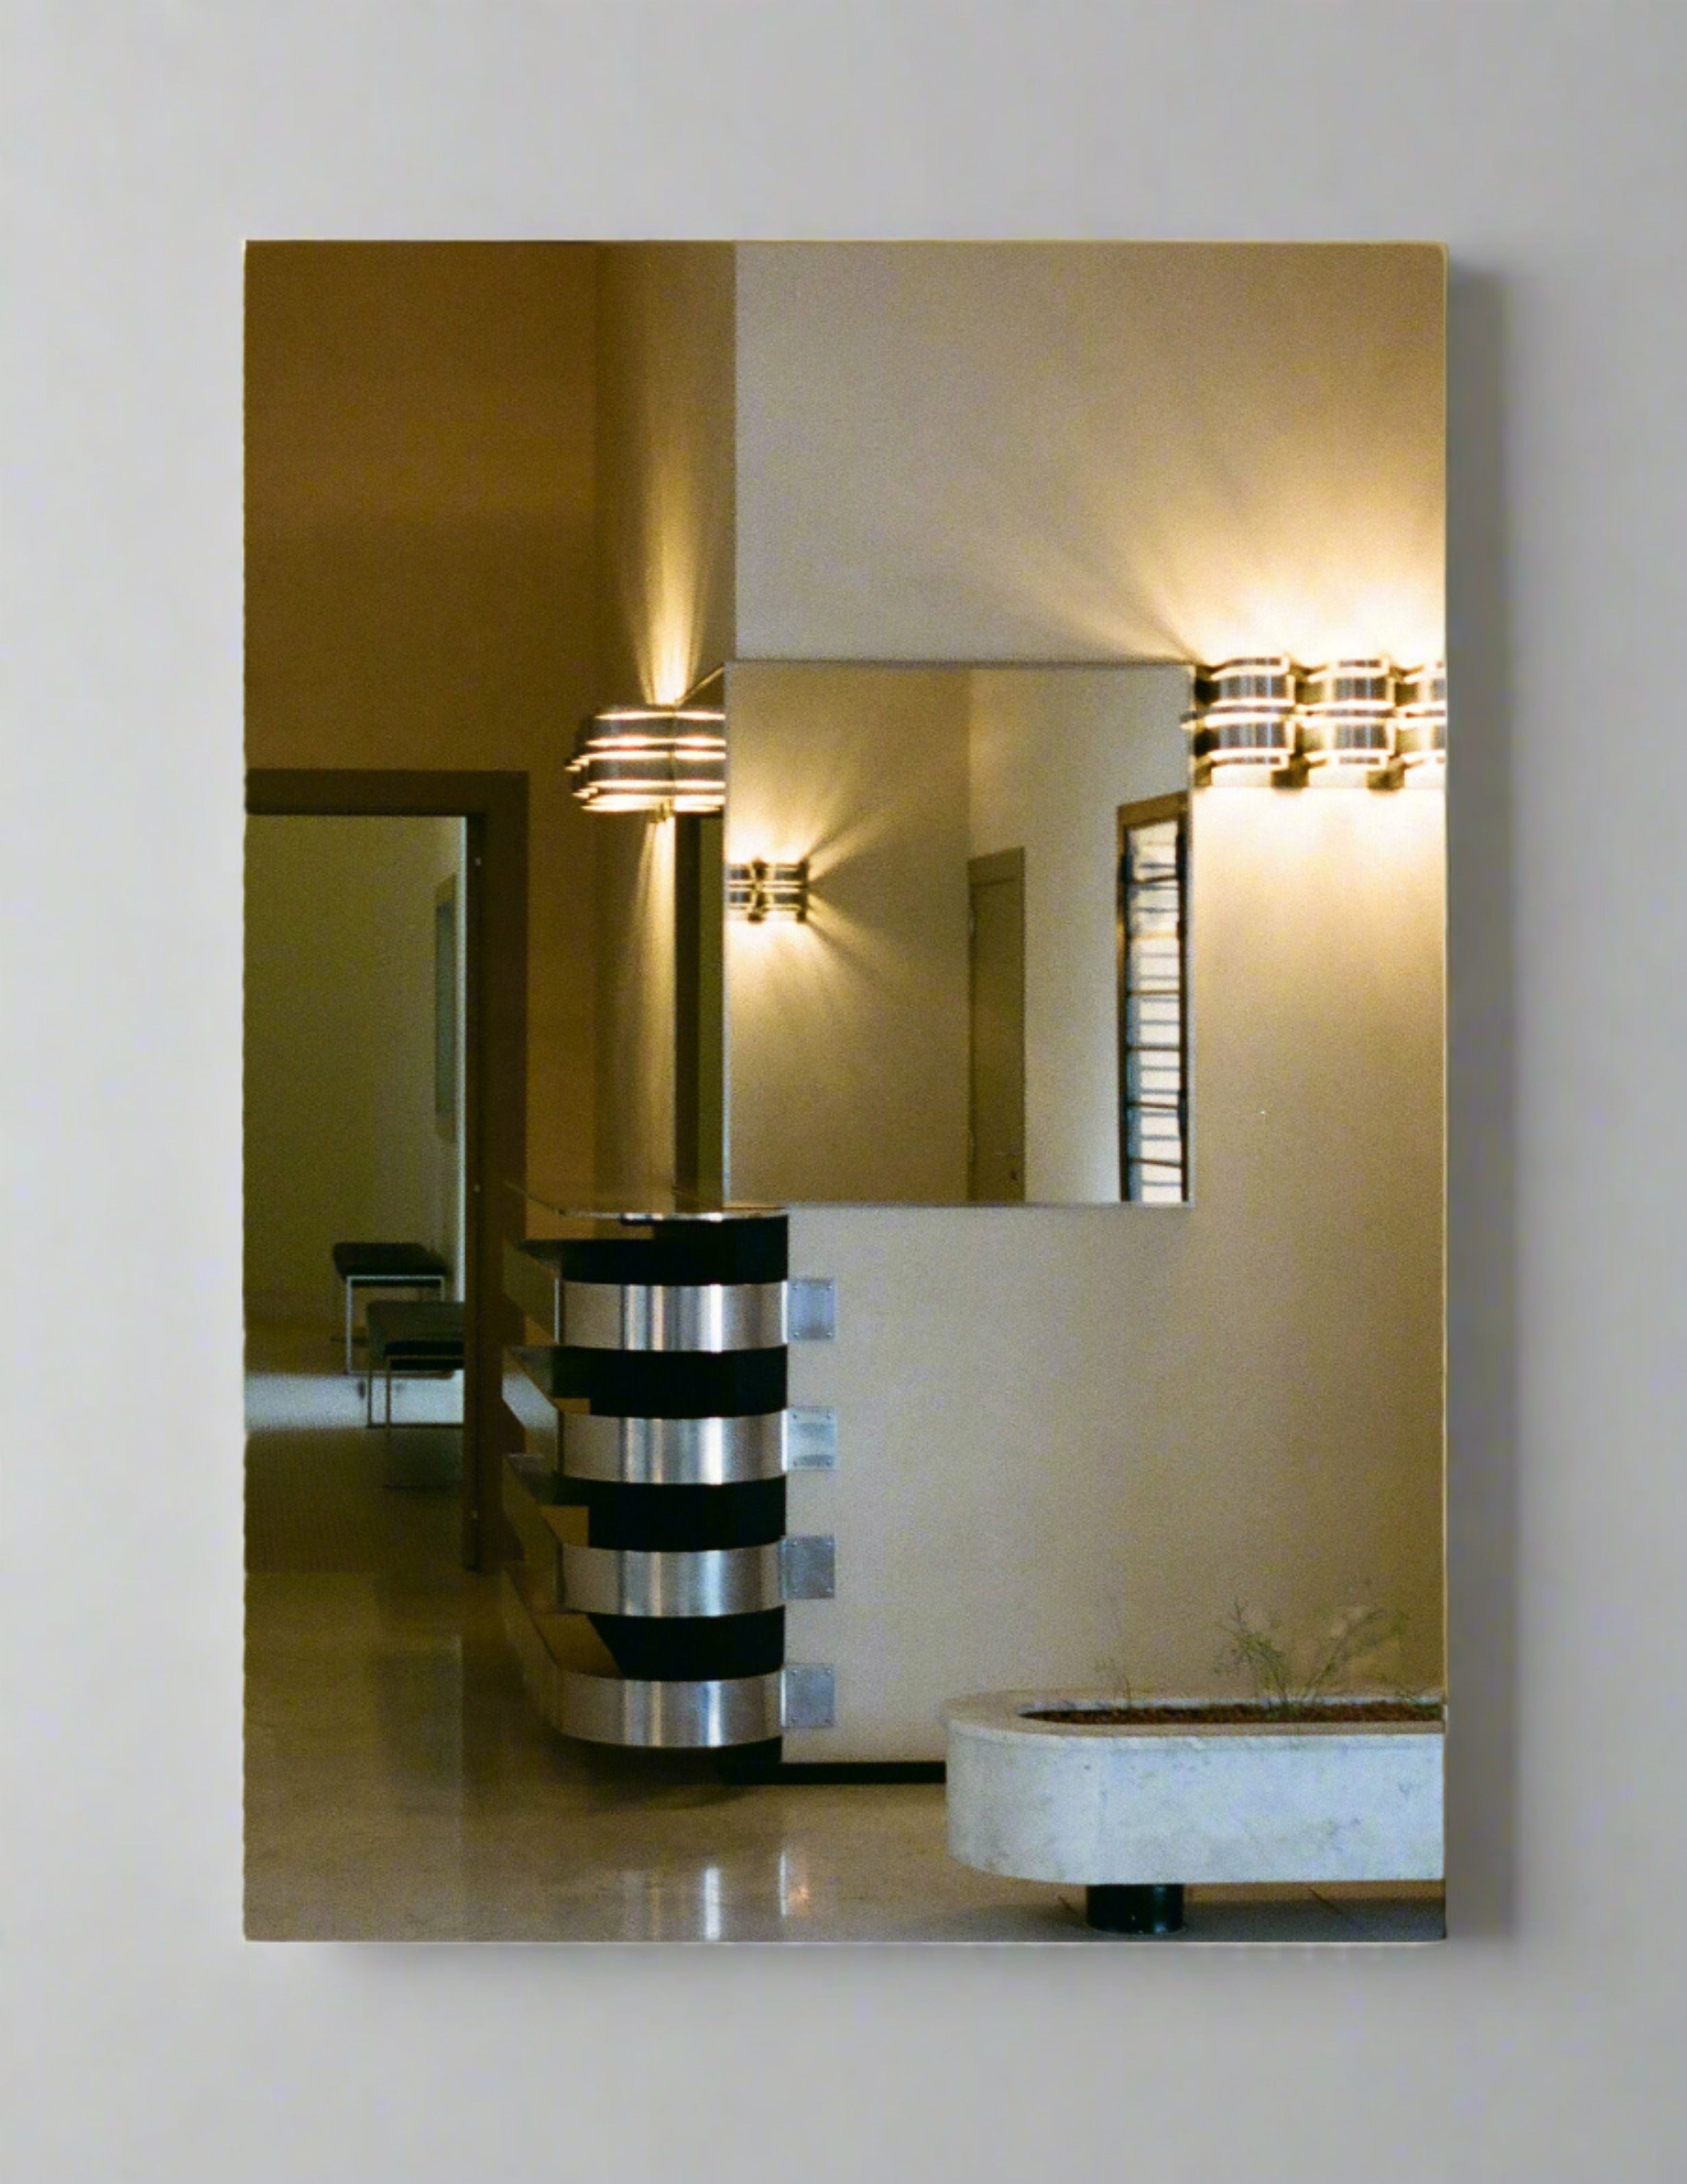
(1342, 1658)
(1289, 1678)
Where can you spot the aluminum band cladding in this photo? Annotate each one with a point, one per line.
(674, 1452)
(716, 1316)
(683, 1717)
(694, 1581)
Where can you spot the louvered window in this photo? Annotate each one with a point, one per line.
(1154, 1045)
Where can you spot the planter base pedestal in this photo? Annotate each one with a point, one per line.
(1149, 1908)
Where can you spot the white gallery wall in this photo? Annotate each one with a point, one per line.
(1543, 145)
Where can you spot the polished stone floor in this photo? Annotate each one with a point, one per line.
(399, 1785)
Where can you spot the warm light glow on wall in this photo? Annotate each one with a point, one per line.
(1239, 450)
(652, 758)
(665, 638)
(759, 890)
(666, 392)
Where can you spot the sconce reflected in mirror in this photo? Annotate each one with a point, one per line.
(759, 890)
(652, 758)
(999, 1001)
(995, 1000)
(1421, 719)
(1242, 724)
(1264, 720)
(1347, 716)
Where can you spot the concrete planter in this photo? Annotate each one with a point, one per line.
(1142, 1805)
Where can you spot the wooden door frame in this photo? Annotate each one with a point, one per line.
(495, 1065)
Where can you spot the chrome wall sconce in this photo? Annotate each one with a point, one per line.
(1346, 717)
(759, 890)
(1242, 719)
(652, 758)
(1355, 720)
(1421, 720)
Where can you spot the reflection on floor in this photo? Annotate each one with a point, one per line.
(399, 1786)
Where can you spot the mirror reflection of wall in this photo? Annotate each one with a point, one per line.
(944, 1023)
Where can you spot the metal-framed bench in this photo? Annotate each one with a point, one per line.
(413, 1342)
(386, 1267)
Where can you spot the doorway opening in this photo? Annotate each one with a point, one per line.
(354, 1170)
(387, 1069)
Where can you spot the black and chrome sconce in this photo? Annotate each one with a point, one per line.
(1421, 718)
(1346, 717)
(1242, 723)
(1364, 721)
(759, 890)
(652, 758)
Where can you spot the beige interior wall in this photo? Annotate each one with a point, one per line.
(635, 972)
(1070, 1439)
(665, 421)
(341, 1141)
(1041, 451)
(1072, 1434)
(419, 565)
(1054, 752)
(666, 426)
(847, 1035)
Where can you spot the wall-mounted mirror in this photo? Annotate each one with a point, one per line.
(838, 844)
(959, 977)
